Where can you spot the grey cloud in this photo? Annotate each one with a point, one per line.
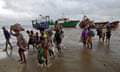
(55, 9)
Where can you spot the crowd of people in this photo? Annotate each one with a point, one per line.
(43, 41)
(103, 32)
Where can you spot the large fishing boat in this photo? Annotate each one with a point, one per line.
(66, 23)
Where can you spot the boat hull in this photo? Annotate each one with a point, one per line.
(69, 24)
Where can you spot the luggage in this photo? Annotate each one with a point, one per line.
(17, 27)
(91, 33)
(22, 44)
(42, 25)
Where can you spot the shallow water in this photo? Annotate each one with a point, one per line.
(102, 57)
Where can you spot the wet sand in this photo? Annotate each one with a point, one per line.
(74, 58)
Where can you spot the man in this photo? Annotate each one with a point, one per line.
(99, 32)
(7, 37)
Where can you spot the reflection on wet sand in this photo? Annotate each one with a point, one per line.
(86, 59)
(102, 47)
(9, 53)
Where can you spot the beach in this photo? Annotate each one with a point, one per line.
(102, 57)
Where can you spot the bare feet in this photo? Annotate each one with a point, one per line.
(23, 62)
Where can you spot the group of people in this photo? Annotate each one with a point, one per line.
(86, 37)
(43, 42)
(21, 42)
(103, 31)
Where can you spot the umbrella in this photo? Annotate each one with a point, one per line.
(17, 27)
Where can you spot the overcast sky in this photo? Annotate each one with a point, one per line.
(23, 11)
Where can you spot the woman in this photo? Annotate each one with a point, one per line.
(84, 36)
(21, 43)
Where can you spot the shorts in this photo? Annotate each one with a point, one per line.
(30, 42)
(21, 50)
(108, 36)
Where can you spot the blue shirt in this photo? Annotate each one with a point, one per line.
(6, 34)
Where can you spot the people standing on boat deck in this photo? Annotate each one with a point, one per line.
(7, 37)
(89, 38)
(84, 36)
(99, 32)
(103, 32)
(21, 43)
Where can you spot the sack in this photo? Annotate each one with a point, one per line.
(17, 27)
(42, 25)
(22, 44)
(91, 33)
(52, 49)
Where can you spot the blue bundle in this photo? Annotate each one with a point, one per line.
(42, 25)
